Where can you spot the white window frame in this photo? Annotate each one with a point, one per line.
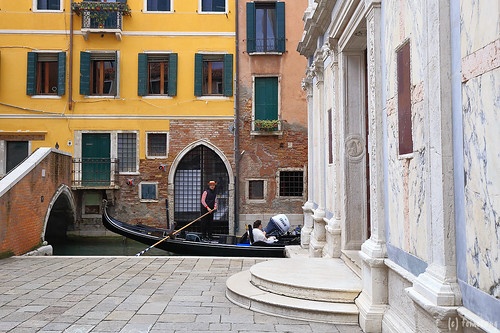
(247, 192)
(146, 11)
(45, 52)
(140, 192)
(294, 198)
(117, 60)
(36, 10)
(114, 146)
(167, 144)
(200, 11)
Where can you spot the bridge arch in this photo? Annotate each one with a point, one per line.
(61, 214)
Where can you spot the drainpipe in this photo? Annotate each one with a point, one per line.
(70, 83)
(237, 155)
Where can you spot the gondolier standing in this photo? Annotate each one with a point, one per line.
(209, 202)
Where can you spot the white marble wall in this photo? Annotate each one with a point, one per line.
(407, 177)
(480, 24)
(481, 117)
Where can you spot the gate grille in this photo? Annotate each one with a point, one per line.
(195, 170)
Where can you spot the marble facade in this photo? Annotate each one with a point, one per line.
(426, 223)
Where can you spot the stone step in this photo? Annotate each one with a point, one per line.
(315, 279)
(242, 292)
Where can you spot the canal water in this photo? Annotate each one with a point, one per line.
(103, 246)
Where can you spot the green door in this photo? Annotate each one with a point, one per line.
(96, 161)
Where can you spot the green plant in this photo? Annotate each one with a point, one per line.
(267, 125)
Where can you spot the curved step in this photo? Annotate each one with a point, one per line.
(242, 292)
(308, 278)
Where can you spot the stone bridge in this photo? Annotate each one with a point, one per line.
(36, 201)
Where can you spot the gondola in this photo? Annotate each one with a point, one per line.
(186, 243)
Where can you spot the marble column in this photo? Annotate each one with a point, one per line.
(308, 207)
(333, 225)
(373, 299)
(435, 292)
(318, 237)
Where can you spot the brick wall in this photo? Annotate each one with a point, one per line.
(128, 207)
(23, 207)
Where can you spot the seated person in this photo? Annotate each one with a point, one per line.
(259, 235)
(278, 225)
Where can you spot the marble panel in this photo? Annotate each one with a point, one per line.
(480, 24)
(481, 119)
(407, 179)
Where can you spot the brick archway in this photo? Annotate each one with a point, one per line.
(61, 214)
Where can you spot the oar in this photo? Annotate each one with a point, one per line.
(187, 225)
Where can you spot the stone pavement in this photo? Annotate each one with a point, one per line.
(132, 294)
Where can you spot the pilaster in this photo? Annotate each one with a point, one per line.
(373, 299)
(436, 291)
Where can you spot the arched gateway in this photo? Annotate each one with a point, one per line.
(191, 171)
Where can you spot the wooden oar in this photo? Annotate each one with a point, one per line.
(187, 225)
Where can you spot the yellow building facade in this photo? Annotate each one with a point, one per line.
(140, 92)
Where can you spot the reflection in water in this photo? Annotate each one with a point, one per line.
(103, 246)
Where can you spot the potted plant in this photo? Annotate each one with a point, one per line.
(266, 125)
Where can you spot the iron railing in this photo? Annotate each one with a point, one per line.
(95, 172)
(268, 44)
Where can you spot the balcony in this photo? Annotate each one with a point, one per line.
(101, 17)
(95, 173)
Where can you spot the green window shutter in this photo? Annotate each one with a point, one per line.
(250, 27)
(31, 77)
(172, 74)
(142, 82)
(228, 75)
(84, 73)
(280, 33)
(198, 74)
(266, 98)
(61, 73)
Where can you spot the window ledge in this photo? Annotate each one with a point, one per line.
(259, 133)
(155, 157)
(216, 13)
(46, 97)
(265, 53)
(101, 97)
(157, 97)
(47, 11)
(135, 173)
(207, 98)
(158, 12)
(149, 200)
(256, 201)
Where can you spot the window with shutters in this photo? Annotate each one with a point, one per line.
(47, 5)
(158, 6)
(404, 100)
(266, 105)
(157, 74)
(213, 6)
(156, 145)
(127, 152)
(265, 27)
(98, 73)
(46, 73)
(213, 75)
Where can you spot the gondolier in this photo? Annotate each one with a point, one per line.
(209, 203)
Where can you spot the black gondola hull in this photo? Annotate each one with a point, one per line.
(150, 236)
